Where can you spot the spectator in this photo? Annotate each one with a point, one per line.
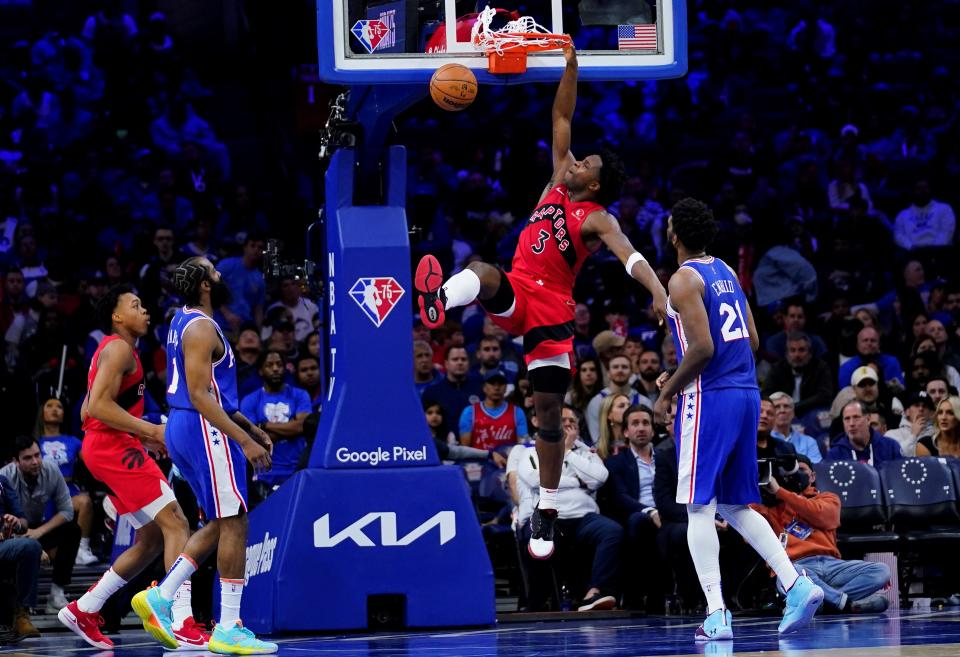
(926, 222)
(244, 278)
(306, 375)
(611, 438)
(586, 384)
(155, 285)
(647, 370)
(582, 342)
(248, 350)
(303, 310)
(915, 423)
(281, 336)
(64, 450)
(38, 483)
(938, 389)
(445, 440)
(668, 354)
(489, 357)
(632, 472)
(859, 442)
(845, 186)
(937, 331)
(606, 345)
(946, 440)
(21, 554)
(805, 378)
(492, 423)
(279, 409)
(785, 429)
(14, 300)
(620, 372)
(768, 445)
(424, 373)
(809, 520)
(579, 521)
(794, 322)
(25, 325)
(458, 389)
(868, 348)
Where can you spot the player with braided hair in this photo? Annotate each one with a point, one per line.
(208, 439)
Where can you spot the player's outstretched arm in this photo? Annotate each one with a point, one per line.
(564, 105)
(686, 296)
(114, 362)
(606, 228)
(199, 342)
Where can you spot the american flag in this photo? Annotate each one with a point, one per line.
(637, 37)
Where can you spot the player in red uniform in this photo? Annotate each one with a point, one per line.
(534, 299)
(115, 444)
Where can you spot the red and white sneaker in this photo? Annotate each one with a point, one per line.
(192, 635)
(428, 281)
(85, 625)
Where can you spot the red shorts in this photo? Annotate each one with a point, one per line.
(542, 315)
(137, 485)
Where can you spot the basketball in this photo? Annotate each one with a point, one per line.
(453, 87)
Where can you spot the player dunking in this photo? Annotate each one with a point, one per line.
(717, 414)
(208, 440)
(534, 299)
(115, 438)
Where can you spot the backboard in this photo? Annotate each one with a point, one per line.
(405, 41)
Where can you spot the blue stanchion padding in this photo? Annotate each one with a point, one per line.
(124, 536)
(330, 538)
(372, 417)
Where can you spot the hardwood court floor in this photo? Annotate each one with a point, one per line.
(895, 634)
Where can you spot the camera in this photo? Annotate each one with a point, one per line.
(779, 466)
(304, 272)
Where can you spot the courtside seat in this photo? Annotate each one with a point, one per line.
(921, 498)
(863, 515)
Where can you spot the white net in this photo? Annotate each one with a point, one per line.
(524, 32)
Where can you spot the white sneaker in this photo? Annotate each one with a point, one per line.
(56, 601)
(85, 557)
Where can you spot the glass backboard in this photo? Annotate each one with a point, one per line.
(405, 41)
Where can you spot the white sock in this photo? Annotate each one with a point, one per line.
(231, 590)
(179, 573)
(461, 289)
(705, 551)
(94, 599)
(55, 589)
(182, 606)
(761, 538)
(548, 498)
(85, 544)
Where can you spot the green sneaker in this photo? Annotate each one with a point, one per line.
(238, 640)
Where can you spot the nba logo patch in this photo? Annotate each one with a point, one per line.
(370, 33)
(376, 297)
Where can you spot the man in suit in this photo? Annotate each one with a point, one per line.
(803, 376)
(632, 503)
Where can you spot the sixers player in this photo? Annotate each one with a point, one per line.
(534, 299)
(717, 415)
(115, 444)
(208, 440)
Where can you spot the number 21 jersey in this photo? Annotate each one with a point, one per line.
(223, 376)
(732, 365)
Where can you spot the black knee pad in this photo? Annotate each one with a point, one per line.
(550, 378)
(550, 436)
(501, 301)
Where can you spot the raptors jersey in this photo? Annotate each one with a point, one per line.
(732, 364)
(223, 377)
(130, 395)
(551, 248)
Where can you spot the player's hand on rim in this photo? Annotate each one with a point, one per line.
(570, 53)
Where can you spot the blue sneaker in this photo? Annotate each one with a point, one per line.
(717, 627)
(238, 640)
(156, 614)
(803, 600)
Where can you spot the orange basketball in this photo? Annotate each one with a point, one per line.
(453, 87)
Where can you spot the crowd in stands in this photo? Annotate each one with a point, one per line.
(823, 136)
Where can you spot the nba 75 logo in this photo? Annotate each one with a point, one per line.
(370, 33)
(376, 297)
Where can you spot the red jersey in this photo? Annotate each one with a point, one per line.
(130, 395)
(492, 432)
(551, 248)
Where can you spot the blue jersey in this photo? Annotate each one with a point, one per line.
(223, 378)
(732, 365)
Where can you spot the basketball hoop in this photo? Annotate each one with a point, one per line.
(508, 46)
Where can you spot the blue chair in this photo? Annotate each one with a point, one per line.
(862, 509)
(921, 498)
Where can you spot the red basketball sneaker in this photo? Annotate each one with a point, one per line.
(192, 635)
(427, 280)
(85, 625)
